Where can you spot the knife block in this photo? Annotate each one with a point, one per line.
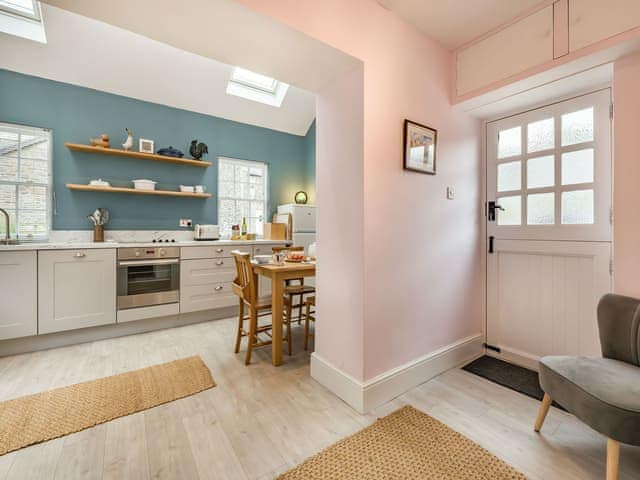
(98, 233)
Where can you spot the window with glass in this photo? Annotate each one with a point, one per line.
(242, 193)
(24, 8)
(25, 181)
(545, 171)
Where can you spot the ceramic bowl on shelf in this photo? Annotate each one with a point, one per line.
(144, 184)
(99, 183)
(186, 188)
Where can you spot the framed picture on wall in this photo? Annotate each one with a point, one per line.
(420, 143)
(146, 145)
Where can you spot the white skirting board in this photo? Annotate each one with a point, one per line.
(367, 395)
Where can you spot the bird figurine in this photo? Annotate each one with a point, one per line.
(198, 149)
(129, 142)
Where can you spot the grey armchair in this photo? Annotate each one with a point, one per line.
(602, 392)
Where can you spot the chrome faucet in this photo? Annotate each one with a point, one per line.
(6, 226)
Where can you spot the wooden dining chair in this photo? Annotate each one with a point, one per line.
(245, 286)
(295, 288)
(310, 316)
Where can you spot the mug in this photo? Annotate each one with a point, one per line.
(199, 188)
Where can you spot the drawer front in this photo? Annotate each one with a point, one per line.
(207, 297)
(188, 253)
(265, 248)
(206, 271)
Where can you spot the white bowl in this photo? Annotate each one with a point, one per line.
(99, 183)
(144, 184)
(262, 259)
(186, 188)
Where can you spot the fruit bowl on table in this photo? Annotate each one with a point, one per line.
(295, 258)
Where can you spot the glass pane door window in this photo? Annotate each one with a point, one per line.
(242, 193)
(549, 171)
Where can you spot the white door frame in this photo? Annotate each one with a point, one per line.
(484, 191)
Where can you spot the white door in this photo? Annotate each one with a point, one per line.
(76, 289)
(549, 228)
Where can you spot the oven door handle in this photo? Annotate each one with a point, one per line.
(142, 263)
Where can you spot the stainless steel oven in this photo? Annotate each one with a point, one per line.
(148, 276)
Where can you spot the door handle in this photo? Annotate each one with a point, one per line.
(491, 239)
(80, 255)
(218, 288)
(220, 262)
(492, 206)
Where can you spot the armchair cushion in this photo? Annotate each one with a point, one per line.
(604, 393)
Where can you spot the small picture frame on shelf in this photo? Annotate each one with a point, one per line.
(420, 144)
(146, 145)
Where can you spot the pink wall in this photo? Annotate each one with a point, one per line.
(421, 255)
(626, 176)
(340, 190)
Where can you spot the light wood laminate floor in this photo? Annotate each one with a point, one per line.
(261, 420)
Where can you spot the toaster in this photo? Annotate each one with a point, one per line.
(207, 232)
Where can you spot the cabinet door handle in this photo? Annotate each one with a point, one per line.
(220, 262)
(80, 255)
(219, 250)
(218, 288)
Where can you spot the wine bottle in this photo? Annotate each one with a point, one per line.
(243, 231)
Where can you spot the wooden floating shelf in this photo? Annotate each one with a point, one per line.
(140, 155)
(166, 193)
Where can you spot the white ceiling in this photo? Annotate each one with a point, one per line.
(227, 31)
(89, 53)
(456, 22)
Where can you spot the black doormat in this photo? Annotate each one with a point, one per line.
(516, 378)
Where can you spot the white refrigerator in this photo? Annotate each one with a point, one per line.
(303, 223)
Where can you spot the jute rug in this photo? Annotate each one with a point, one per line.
(47, 415)
(407, 444)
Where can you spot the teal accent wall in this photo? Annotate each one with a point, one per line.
(75, 114)
(310, 162)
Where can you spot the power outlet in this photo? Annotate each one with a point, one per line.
(185, 222)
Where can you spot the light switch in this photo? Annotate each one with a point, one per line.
(450, 193)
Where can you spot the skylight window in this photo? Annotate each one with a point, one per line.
(24, 8)
(254, 80)
(22, 18)
(256, 87)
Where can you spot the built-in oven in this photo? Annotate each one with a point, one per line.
(148, 276)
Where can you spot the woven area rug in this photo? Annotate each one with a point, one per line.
(407, 444)
(47, 415)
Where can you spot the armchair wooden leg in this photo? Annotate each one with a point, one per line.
(613, 459)
(542, 413)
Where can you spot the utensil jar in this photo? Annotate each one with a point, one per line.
(98, 233)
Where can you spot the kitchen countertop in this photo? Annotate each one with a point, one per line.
(114, 244)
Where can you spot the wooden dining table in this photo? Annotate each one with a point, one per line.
(279, 274)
